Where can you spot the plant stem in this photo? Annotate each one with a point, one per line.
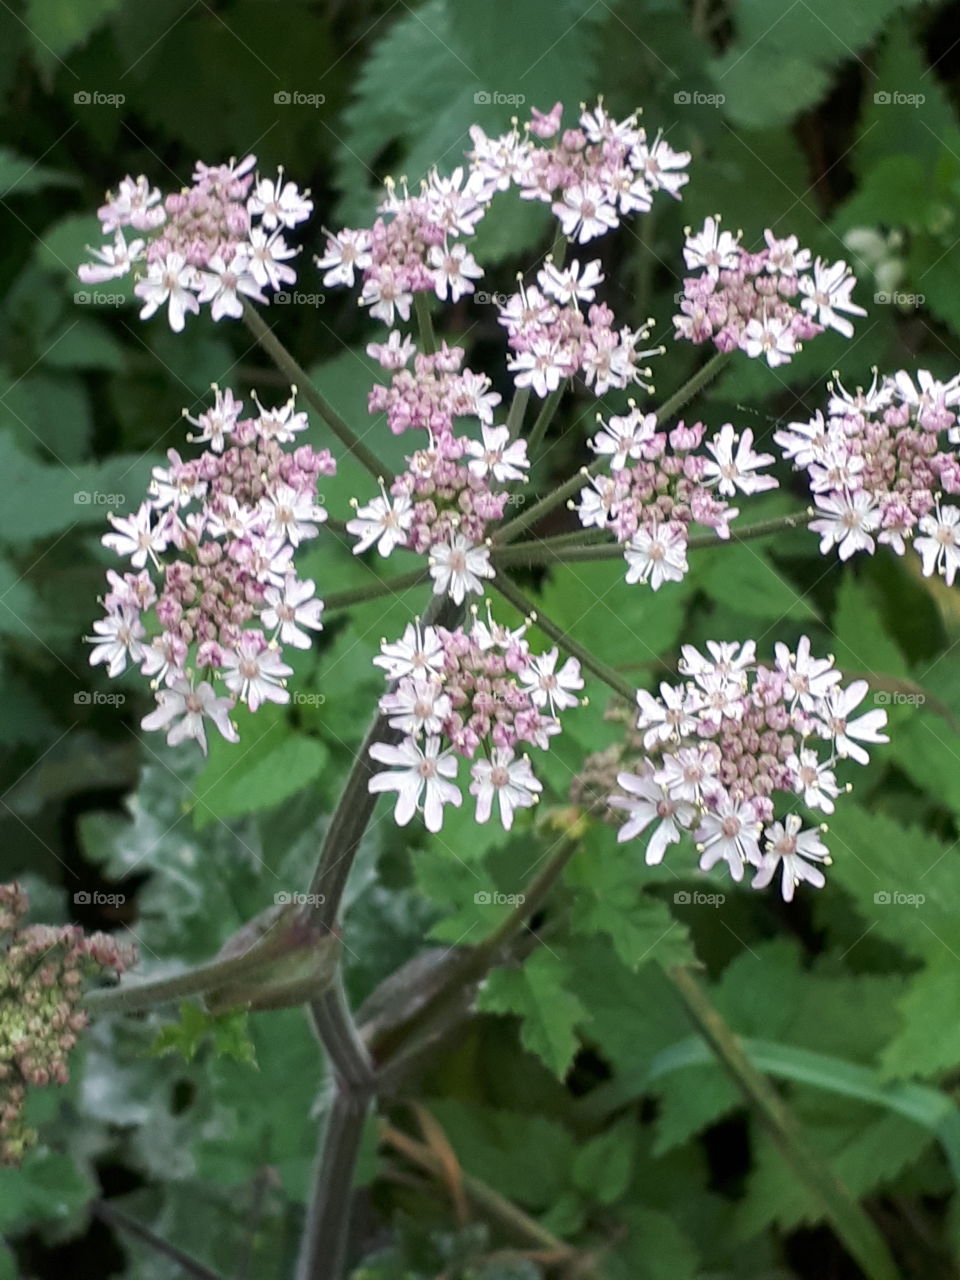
(706, 373)
(543, 420)
(203, 979)
(385, 587)
(421, 307)
(850, 1221)
(105, 1211)
(600, 669)
(298, 376)
(518, 407)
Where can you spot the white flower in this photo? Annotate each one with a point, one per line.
(289, 514)
(815, 781)
(283, 422)
(624, 437)
(843, 404)
(164, 658)
(785, 257)
(730, 833)
(549, 687)
(115, 260)
(808, 679)
(771, 338)
(475, 397)
(136, 203)
(828, 293)
(118, 637)
(939, 545)
(711, 248)
(848, 521)
(267, 254)
(507, 461)
(254, 671)
(804, 442)
(453, 269)
(417, 771)
(135, 538)
(686, 774)
(385, 296)
(382, 521)
(171, 282)
(659, 164)
(657, 555)
(847, 734)
(789, 847)
(733, 463)
(346, 252)
(417, 652)
(279, 204)
(645, 801)
(458, 568)
(585, 212)
(542, 367)
(291, 608)
(223, 284)
(395, 353)
(571, 284)
(596, 502)
(416, 706)
(216, 423)
(512, 781)
(667, 718)
(192, 706)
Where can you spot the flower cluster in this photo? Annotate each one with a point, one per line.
(658, 485)
(716, 748)
(42, 969)
(765, 303)
(552, 340)
(227, 596)
(478, 695)
(879, 467)
(212, 242)
(442, 504)
(591, 175)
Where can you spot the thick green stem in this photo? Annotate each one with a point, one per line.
(299, 378)
(851, 1223)
(518, 407)
(203, 979)
(323, 1246)
(600, 669)
(544, 418)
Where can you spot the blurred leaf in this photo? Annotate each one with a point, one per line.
(550, 1012)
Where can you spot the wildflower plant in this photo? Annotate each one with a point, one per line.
(739, 760)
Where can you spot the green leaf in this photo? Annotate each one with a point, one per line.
(743, 577)
(603, 1166)
(59, 26)
(47, 1188)
(927, 1042)
(228, 1032)
(21, 176)
(550, 1012)
(862, 645)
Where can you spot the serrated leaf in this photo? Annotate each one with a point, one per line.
(227, 1031)
(744, 577)
(550, 1013)
(603, 1166)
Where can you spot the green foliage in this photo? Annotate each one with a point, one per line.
(227, 1033)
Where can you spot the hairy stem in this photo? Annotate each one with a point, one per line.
(851, 1223)
(298, 377)
(600, 669)
(382, 587)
